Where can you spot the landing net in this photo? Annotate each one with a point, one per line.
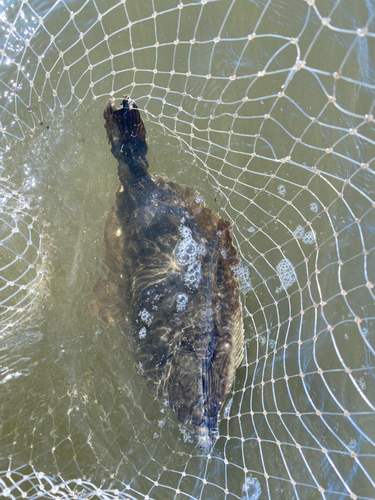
(266, 107)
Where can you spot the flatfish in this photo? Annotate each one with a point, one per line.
(170, 282)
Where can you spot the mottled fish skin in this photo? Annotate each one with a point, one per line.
(170, 284)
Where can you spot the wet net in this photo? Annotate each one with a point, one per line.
(266, 107)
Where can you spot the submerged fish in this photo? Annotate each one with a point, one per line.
(170, 283)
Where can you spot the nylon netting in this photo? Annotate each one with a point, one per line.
(266, 107)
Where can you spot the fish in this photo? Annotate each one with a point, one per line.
(170, 283)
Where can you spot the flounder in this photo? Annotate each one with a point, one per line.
(170, 282)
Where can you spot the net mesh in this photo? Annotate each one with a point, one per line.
(267, 106)
(23, 260)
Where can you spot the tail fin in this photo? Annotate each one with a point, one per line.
(127, 134)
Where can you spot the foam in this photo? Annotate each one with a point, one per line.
(308, 237)
(193, 275)
(143, 332)
(187, 251)
(146, 317)
(181, 302)
(188, 254)
(286, 274)
(243, 277)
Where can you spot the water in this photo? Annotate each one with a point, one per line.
(72, 404)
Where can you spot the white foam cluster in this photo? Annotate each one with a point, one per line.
(193, 274)
(307, 237)
(243, 277)
(146, 317)
(188, 254)
(299, 232)
(281, 189)
(142, 332)
(181, 302)
(262, 340)
(198, 198)
(186, 436)
(286, 273)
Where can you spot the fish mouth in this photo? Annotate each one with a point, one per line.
(124, 123)
(126, 134)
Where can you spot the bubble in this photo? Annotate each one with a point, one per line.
(362, 383)
(262, 340)
(199, 199)
(286, 273)
(299, 231)
(314, 207)
(281, 189)
(187, 251)
(251, 489)
(182, 258)
(190, 249)
(309, 238)
(142, 332)
(185, 231)
(181, 302)
(146, 317)
(186, 436)
(243, 277)
(195, 268)
(193, 274)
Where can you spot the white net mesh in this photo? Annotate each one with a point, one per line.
(23, 261)
(266, 107)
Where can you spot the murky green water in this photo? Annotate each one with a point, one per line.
(72, 404)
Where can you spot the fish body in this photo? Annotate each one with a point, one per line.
(170, 282)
